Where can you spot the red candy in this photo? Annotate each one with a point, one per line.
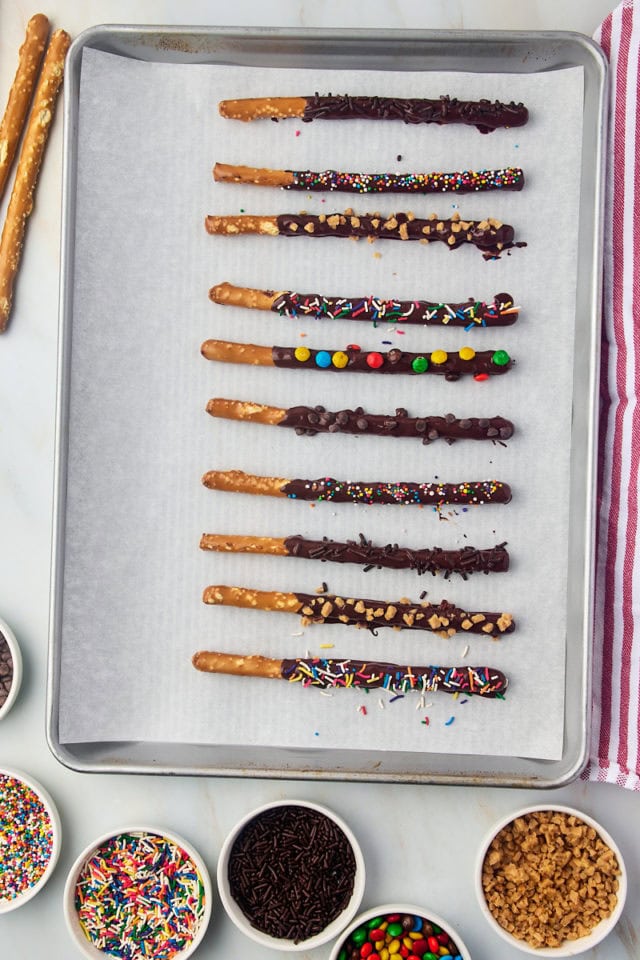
(366, 949)
(353, 346)
(443, 938)
(375, 360)
(403, 951)
(481, 376)
(420, 947)
(376, 934)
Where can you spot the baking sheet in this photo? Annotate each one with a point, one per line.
(139, 438)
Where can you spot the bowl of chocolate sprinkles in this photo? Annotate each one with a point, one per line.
(403, 930)
(291, 875)
(10, 668)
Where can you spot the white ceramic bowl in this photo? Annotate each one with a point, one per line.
(239, 918)
(401, 908)
(6, 905)
(570, 948)
(16, 657)
(85, 946)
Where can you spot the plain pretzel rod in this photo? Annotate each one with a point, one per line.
(15, 114)
(434, 560)
(327, 489)
(330, 674)
(490, 236)
(35, 141)
(286, 303)
(312, 420)
(443, 618)
(483, 114)
(457, 181)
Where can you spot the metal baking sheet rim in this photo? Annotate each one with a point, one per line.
(479, 51)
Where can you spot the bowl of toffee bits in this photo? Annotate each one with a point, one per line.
(408, 932)
(291, 875)
(551, 881)
(10, 668)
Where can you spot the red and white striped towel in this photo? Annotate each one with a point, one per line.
(615, 737)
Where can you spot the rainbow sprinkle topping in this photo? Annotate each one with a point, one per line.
(140, 895)
(26, 837)
(458, 181)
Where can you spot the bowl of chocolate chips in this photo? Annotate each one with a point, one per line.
(10, 668)
(291, 875)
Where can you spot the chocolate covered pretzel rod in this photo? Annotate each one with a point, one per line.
(458, 181)
(442, 618)
(468, 492)
(500, 313)
(335, 674)
(15, 114)
(466, 361)
(490, 236)
(483, 114)
(312, 420)
(432, 560)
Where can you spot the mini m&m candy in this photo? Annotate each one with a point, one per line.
(399, 936)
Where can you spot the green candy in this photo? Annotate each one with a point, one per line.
(375, 923)
(359, 936)
(501, 358)
(394, 929)
(419, 364)
(430, 956)
(343, 954)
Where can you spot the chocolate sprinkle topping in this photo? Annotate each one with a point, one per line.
(291, 871)
(483, 114)
(465, 561)
(6, 670)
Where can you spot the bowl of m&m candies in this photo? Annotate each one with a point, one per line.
(402, 931)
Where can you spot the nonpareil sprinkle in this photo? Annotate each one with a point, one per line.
(26, 837)
(291, 871)
(140, 895)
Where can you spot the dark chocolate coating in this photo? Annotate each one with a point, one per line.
(434, 560)
(329, 674)
(376, 310)
(483, 114)
(312, 420)
(406, 493)
(440, 617)
(457, 181)
(490, 239)
(395, 361)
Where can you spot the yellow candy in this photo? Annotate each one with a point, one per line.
(414, 935)
(466, 353)
(394, 946)
(379, 944)
(439, 356)
(407, 942)
(384, 953)
(302, 354)
(339, 359)
(443, 951)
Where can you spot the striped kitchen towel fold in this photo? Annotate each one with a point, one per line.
(615, 734)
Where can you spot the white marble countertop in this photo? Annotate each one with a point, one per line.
(419, 842)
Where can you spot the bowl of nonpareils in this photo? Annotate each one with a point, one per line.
(550, 881)
(291, 875)
(138, 892)
(402, 930)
